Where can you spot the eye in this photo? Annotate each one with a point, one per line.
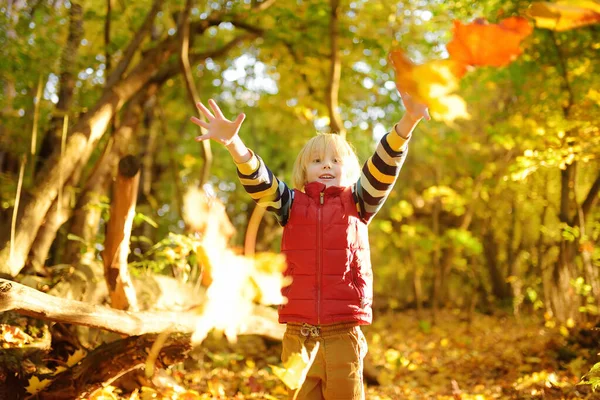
(336, 160)
(316, 160)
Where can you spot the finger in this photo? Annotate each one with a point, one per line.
(205, 111)
(427, 116)
(203, 137)
(240, 118)
(215, 109)
(199, 122)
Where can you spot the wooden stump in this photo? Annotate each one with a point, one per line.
(118, 232)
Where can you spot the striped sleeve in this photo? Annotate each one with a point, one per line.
(379, 174)
(264, 188)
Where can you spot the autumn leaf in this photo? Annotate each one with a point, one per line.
(432, 83)
(35, 385)
(480, 43)
(565, 15)
(296, 367)
(77, 356)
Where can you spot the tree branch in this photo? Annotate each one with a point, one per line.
(590, 199)
(173, 68)
(33, 303)
(335, 121)
(134, 45)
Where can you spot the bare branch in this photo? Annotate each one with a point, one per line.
(335, 121)
(133, 45)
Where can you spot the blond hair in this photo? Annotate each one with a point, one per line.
(318, 146)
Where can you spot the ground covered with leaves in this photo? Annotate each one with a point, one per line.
(490, 357)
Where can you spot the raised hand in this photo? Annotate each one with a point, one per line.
(414, 109)
(218, 128)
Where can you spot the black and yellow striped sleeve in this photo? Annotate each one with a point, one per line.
(264, 187)
(379, 174)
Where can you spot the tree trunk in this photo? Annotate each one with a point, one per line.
(436, 260)
(564, 301)
(59, 213)
(86, 215)
(490, 252)
(118, 233)
(52, 137)
(417, 287)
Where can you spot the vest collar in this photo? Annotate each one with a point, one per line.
(314, 190)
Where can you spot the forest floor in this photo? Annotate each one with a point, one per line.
(489, 358)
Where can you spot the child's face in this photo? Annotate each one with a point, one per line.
(326, 168)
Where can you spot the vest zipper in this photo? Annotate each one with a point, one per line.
(319, 256)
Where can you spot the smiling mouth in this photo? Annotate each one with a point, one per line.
(326, 176)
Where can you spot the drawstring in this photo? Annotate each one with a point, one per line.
(310, 330)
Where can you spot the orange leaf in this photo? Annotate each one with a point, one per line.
(565, 15)
(404, 72)
(481, 43)
(432, 83)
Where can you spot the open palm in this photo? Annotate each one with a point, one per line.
(218, 128)
(415, 109)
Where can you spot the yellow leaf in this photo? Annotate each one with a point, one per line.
(188, 395)
(58, 370)
(105, 393)
(432, 83)
(35, 385)
(76, 357)
(565, 15)
(296, 367)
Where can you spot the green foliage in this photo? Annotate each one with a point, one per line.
(592, 377)
(174, 254)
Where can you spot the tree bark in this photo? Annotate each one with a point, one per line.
(118, 233)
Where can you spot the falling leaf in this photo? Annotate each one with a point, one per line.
(432, 83)
(296, 367)
(480, 43)
(35, 385)
(565, 15)
(404, 67)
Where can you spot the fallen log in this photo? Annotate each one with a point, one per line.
(112, 360)
(33, 303)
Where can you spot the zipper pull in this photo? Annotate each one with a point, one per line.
(322, 195)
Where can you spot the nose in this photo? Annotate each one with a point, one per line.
(327, 165)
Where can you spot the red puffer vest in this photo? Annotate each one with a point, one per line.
(327, 249)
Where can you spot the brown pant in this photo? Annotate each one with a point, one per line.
(337, 372)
